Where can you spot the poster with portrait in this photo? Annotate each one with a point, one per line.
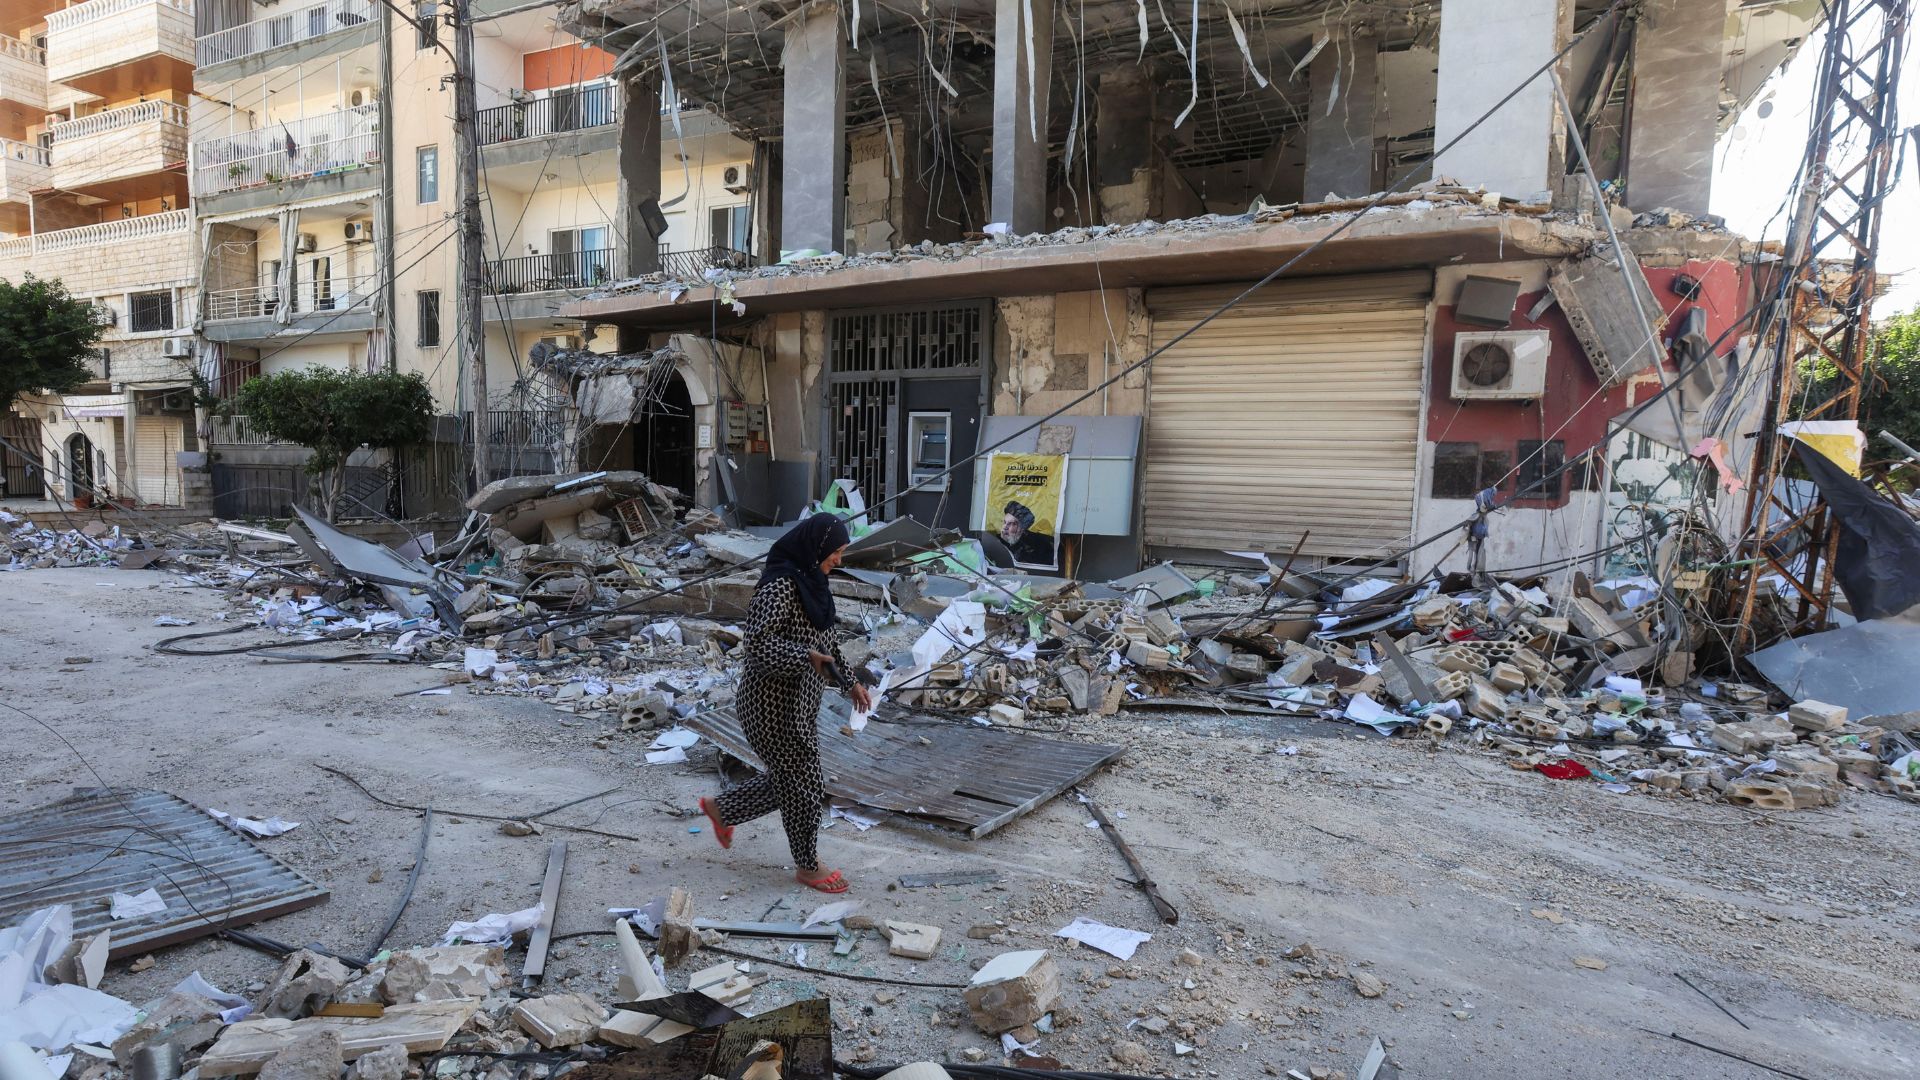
(1026, 497)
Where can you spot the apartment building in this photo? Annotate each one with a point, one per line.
(94, 102)
(325, 187)
(1133, 174)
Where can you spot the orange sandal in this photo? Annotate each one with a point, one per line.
(831, 882)
(722, 833)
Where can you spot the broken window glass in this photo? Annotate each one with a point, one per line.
(1540, 465)
(1456, 470)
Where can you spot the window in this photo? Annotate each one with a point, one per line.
(579, 256)
(427, 159)
(426, 22)
(323, 283)
(1461, 469)
(1587, 472)
(103, 362)
(1540, 469)
(429, 311)
(151, 311)
(731, 226)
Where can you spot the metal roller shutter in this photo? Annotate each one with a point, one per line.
(1298, 409)
(156, 439)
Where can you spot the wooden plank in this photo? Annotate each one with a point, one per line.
(536, 967)
(424, 1027)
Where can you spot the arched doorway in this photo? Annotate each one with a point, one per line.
(663, 440)
(79, 466)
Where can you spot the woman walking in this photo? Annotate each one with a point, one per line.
(791, 649)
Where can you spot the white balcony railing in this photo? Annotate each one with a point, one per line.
(23, 167)
(20, 50)
(309, 297)
(285, 28)
(146, 112)
(314, 146)
(107, 232)
(95, 10)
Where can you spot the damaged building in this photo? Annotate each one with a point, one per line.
(971, 214)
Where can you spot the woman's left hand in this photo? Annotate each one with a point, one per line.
(862, 697)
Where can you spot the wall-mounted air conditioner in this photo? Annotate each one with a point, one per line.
(359, 232)
(105, 315)
(360, 95)
(177, 347)
(306, 242)
(1504, 365)
(737, 179)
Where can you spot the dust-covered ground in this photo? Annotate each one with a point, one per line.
(1465, 887)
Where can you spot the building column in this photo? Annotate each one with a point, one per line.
(813, 153)
(1345, 81)
(129, 471)
(639, 162)
(1126, 167)
(1022, 75)
(1675, 105)
(1487, 47)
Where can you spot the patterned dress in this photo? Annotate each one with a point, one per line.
(779, 706)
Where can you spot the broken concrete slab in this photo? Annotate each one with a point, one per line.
(423, 1028)
(445, 973)
(1013, 989)
(181, 1020)
(315, 1055)
(915, 941)
(307, 980)
(389, 1062)
(557, 1020)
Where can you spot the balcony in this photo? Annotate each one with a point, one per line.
(87, 42)
(23, 167)
(148, 252)
(130, 141)
(303, 24)
(322, 145)
(23, 74)
(549, 273)
(333, 296)
(693, 263)
(576, 109)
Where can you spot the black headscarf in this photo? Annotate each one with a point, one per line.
(798, 555)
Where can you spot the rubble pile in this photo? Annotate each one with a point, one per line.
(31, 547)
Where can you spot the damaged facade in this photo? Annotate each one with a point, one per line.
(981, 233)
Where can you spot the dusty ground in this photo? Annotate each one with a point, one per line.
(1467, 888)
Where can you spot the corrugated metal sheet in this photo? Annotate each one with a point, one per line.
(972, 777)
(85, 849)
(1298, 409)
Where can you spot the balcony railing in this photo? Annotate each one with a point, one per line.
(544, 273)
(567, 109)
(309, 297)
(23, 167)
(287, 28)
(695, 262)
(95, 10)
(146, 112)
(315, 146)
(238, 430)
(21, 50)
(171, 223)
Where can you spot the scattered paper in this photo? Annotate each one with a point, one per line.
(481, 662)
(1626, 686)
(670, 756)
(493, 929)
(247, 826)
(797, 953)
(1009, 1044)
(673, 737)
(233, 1007)
(859, 817)
(137, 906)
(1364, 710)
(172, 620)
(1112, 940)
(831, 913)
(444, 691)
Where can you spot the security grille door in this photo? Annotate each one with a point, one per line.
(1296, 410)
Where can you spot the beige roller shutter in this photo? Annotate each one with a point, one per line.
(1298, 409)
(156, 439)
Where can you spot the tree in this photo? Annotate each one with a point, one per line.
(46, 338)
(1891, 399)
(334, 412)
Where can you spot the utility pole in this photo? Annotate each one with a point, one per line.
(473, 267)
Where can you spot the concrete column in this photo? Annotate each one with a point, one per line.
(766, 200)
(639, 161)
(813, 167)
(1345, 81)
(1022, 75)
(129, 473)
(1487, 48)
(1126, 167)
(1675, 105)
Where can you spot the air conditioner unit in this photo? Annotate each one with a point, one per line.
(359, 232)
(177, 347)
(177, 401)
(360, 95)
(737, 179)
(105, 315)
(562, 341)
(1504, 365)
(306, 242)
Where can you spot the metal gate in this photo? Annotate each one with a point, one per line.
(869, 354)
(20, 470)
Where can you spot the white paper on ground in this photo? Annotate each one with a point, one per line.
(233, 1007)
(59, 1016)
(272, 826)
(17, 1059)
(671, 756)
(665, 630)
(479, 662)
(133, 907)
(444, 691)
(1008, 1044)
(830, 913)
(797, 953)
(493, 929)
(1112, 940)
(1362, 709)
(675, 737)
(1623, 684)
(859, 819)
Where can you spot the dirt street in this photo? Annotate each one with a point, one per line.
(1468, 889)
